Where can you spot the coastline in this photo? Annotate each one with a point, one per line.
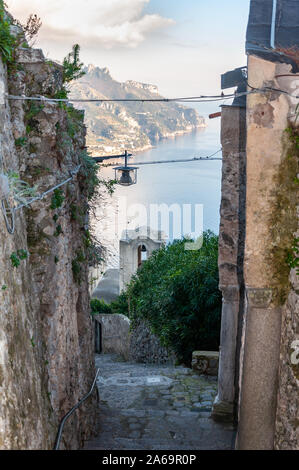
(137, 150)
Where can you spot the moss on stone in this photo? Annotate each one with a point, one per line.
(283, 220)
(39, 171)
(295, 369)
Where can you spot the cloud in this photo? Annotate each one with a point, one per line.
(106, 23)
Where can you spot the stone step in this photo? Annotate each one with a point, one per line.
(139, 409)
(155, 444)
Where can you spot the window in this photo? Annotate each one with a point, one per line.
(142, 255)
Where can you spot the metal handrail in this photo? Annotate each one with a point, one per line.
(66, 417)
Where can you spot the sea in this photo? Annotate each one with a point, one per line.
(178, 198)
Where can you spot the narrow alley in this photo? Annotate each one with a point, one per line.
(146, 407)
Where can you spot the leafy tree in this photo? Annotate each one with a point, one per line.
(176, 291)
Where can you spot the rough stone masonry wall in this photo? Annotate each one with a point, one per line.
(145, 347)
(287, 416)
(46, 347)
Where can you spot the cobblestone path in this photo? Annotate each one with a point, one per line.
(154, 407)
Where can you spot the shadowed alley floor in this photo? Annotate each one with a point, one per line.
(152, 407)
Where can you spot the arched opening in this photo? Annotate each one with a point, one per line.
(142, 254)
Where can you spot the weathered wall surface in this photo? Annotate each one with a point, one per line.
(205, 362)
(231, 252)
(269, 393)
(115, 333)
(46, 347)
(287, 416)
(145, 347)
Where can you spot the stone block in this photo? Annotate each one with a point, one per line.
(205, 362)
(30, 56)
(145, 347)
(4, 186)
(115, 333)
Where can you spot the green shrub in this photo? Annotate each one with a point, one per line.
(21, 141)
(72, 67)
(120, 305)
(99, 306)
(72, 70)
(17, 257)
(176, 291)
(57, 199)
(58, 231)
(88, 173)
(77, 266)
(7, 40)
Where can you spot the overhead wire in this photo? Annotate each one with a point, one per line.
(194, 159)
(109, 100)
(192, 99)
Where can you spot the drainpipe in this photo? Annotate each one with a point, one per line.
(273, 25)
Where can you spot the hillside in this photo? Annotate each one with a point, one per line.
(113, 127)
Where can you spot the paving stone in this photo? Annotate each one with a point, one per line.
(134, 426)
(137, 411)
(204, 414)
(132, 419)
(135, 434)
(172, 413)
(178, 404)
(206, 403)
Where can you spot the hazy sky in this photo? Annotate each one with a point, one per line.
(182, 46)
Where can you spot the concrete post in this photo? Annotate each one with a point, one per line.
(231, 248)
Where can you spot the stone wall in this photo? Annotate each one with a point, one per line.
(46, 343)
(145, 347)
(205, 362)
(115, 333)
(287, 415)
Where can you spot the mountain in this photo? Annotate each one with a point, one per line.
(134, 126)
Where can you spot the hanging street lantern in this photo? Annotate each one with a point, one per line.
(124, 175)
